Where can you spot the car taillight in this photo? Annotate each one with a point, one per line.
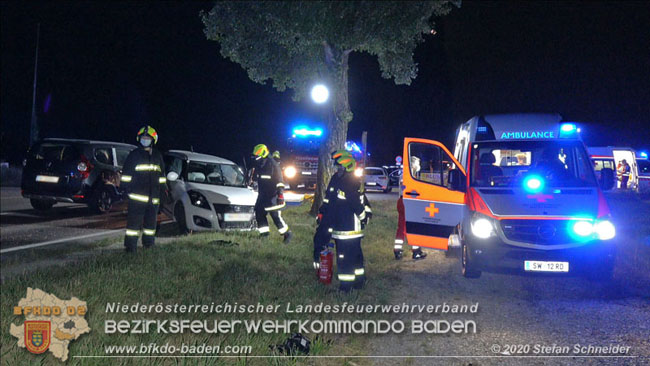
(84, 167)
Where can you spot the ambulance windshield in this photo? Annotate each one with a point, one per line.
(509, 163)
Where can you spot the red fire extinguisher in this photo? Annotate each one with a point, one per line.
(326, 266)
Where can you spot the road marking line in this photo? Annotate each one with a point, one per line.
(57, 241)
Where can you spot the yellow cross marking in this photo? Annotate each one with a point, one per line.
(432, 210)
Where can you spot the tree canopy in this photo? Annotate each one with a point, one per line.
(294, 43)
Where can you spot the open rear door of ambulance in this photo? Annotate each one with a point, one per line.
(432, 209)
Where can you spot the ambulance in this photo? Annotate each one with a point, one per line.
(611, 157)
(518, 195)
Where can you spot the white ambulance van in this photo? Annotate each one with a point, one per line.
(519, 195)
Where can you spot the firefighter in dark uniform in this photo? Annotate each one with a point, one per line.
(143, 180)
(344, 215)
(324, 230)
(270, 188)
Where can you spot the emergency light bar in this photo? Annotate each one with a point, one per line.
(568, 129)
(304, 131)
(352, 146)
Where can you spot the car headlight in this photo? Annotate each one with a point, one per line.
(199, 200)
(482, 227)
(583, 228)
(605, 230)
(290, 172)
(358, 172)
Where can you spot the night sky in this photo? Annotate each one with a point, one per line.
(107, 68)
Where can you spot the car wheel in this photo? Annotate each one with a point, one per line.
(179, 216)
(467, 266)
(101, 200)
(41, 205)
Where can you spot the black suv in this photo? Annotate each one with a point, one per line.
(70, 170)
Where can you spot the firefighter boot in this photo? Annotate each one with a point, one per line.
(419, 254)
(398, 254)
(287, 237)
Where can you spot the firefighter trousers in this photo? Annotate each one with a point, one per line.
(141, 218)
(322, 237)
(263, 223)
(349, 261)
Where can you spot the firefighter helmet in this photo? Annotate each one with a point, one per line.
(261, 150)
(339, 153)
(148, 130)
(348, 162)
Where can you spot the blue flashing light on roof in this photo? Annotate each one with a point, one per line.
(569, 130)
(304, 132)
(568, 127)
(352, 146)
(643, 154)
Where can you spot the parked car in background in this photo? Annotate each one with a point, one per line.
(207, 192)
(74, 171)
(376, 178)
(394, 174)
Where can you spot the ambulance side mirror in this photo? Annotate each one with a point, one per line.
(606, 178)
(455, 180)
(172, 176)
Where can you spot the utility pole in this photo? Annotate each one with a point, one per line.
(33, 127)
(364, 147)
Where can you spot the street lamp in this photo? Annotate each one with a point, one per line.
(320, 93)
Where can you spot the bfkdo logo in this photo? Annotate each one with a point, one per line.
(50, 323)
(37, 335)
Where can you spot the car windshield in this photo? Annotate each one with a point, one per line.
(374, 172)
(215, 173)
(509, 163)
(53, 152)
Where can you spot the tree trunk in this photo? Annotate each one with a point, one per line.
(337, 127)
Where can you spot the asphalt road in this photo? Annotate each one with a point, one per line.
(22, 227)
(530, 313)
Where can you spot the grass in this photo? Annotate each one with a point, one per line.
(202, 269)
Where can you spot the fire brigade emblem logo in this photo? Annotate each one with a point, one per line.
(37, 335)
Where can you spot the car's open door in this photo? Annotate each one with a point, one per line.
(432, 209)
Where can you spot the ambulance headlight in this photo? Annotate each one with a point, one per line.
(583, 228)
(605, 230)
(290, 172)
(482, 227)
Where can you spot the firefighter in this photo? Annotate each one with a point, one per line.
(344, 216)
(270, 198)
(143, 180)
(276, 156)
(400, 235)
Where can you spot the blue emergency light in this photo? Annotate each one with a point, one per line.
(643, 154)
(568, 127)
(569, 130)
(304, 131)
(352, 146)
(533, 183)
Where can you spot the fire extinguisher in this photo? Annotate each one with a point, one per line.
(326, 265)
